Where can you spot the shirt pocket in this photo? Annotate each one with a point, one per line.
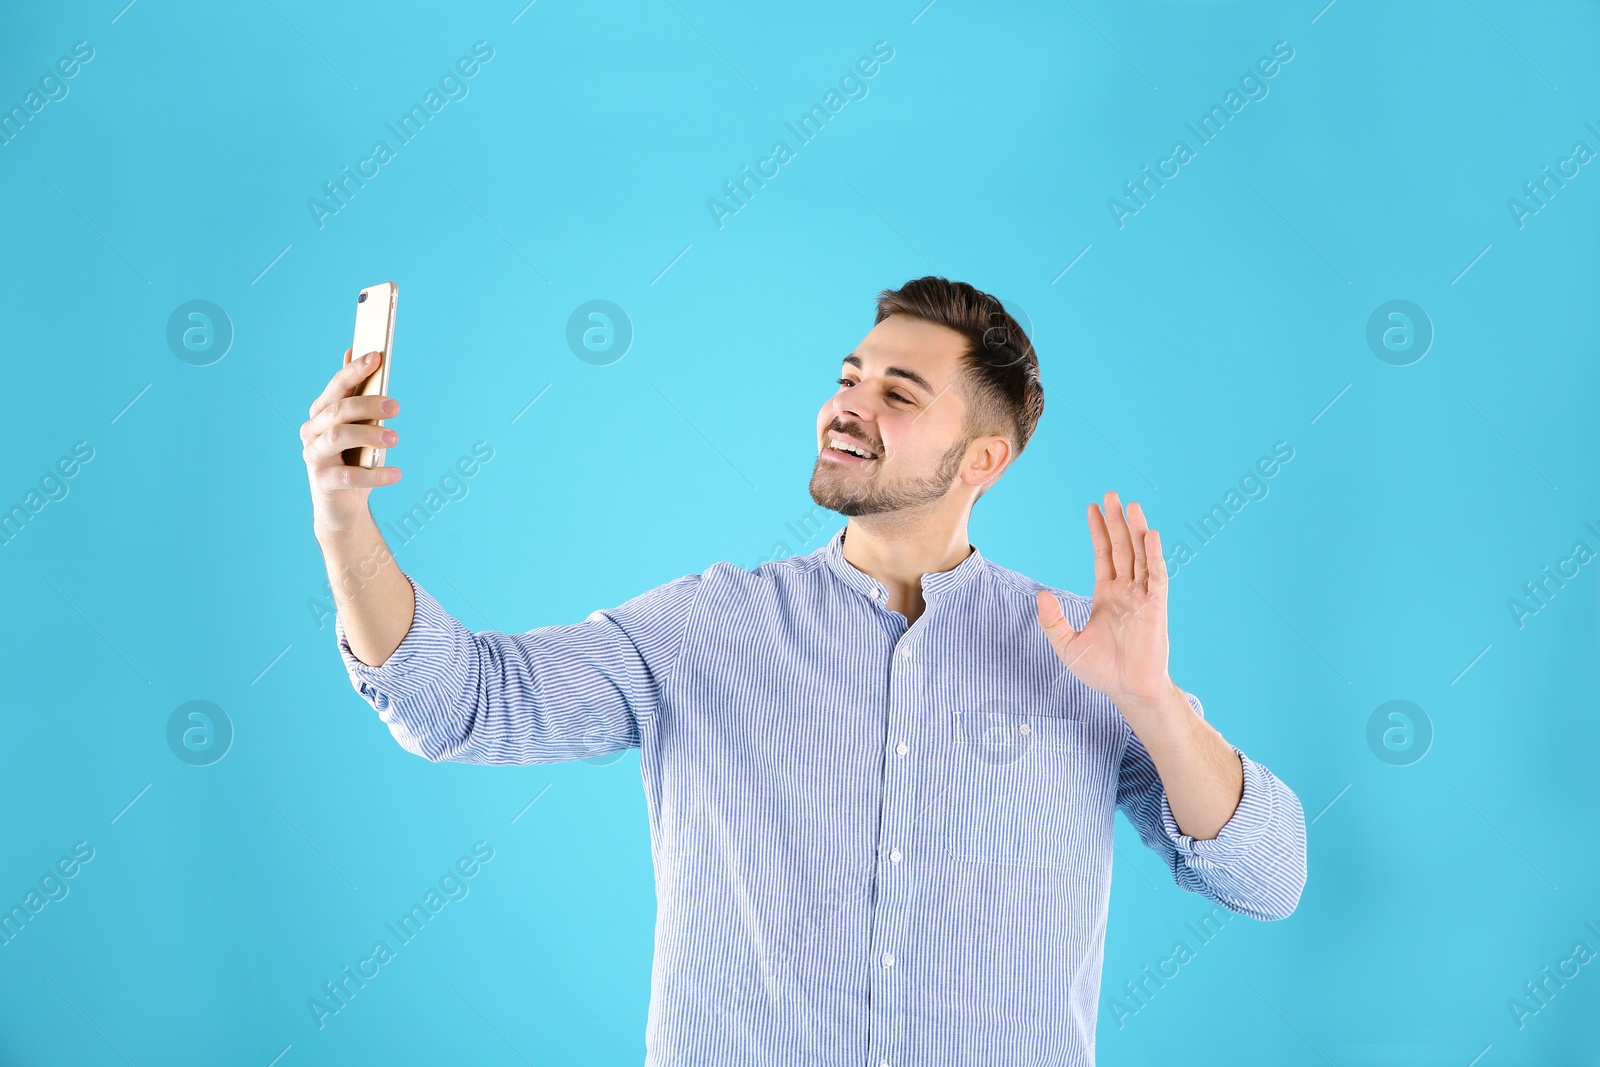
(1028, 790)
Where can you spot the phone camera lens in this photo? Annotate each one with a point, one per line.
(361, 299)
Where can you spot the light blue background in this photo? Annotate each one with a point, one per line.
(1225, 316)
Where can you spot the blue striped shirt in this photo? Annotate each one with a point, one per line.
(873, 843)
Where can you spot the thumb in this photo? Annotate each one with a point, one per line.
(1053, 620)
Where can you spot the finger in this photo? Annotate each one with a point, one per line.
(1121, 549)
(1051, 616)
(356, 408)
(333, 479)
(1136, 529)
(1058, 629)
(1158, 567)
(349, 377)
(1053, 620)
(1101, 539)
(328, 446)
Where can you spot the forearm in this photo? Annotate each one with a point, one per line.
(1199, 770)
(373, 598)
(552, 693)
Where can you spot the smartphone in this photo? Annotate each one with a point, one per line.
(374, 333)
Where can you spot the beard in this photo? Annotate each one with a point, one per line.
(858, 493)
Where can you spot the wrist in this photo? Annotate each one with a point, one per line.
(329, 531)
(1155, 710)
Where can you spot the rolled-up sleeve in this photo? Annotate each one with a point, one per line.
(1256, 865)
(553, 693)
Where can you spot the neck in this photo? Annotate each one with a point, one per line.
(898, 549)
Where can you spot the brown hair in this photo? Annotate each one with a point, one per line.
(1001, 372)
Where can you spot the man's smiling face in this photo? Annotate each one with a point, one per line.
(900, 402)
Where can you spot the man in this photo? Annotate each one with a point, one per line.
(880, 777)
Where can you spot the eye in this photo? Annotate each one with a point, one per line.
(845, 382)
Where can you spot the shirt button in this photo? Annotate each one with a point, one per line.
(1024, 729)
(876, 593)
(901, 749)
(883, 1063)
(905, 650)
(895, 856)
(888, 959)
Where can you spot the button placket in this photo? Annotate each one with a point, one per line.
(899, 794)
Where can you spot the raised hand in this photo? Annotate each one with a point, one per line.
(1122, 650)
(339, 491)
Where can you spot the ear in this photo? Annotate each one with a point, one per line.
(990, 455)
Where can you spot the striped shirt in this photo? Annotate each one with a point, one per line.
(874, 843)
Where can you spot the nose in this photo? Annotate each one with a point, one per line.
(848, 421)
(852, 408)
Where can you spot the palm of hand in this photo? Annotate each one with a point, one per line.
(1122, 650)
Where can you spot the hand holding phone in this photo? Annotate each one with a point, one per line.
(345, 425)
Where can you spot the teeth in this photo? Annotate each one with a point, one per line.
(844, 446)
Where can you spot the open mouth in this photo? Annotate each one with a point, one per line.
(844, 451)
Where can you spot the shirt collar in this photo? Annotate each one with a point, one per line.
(934, 583)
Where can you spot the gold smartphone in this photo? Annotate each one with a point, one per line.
(374, 333)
